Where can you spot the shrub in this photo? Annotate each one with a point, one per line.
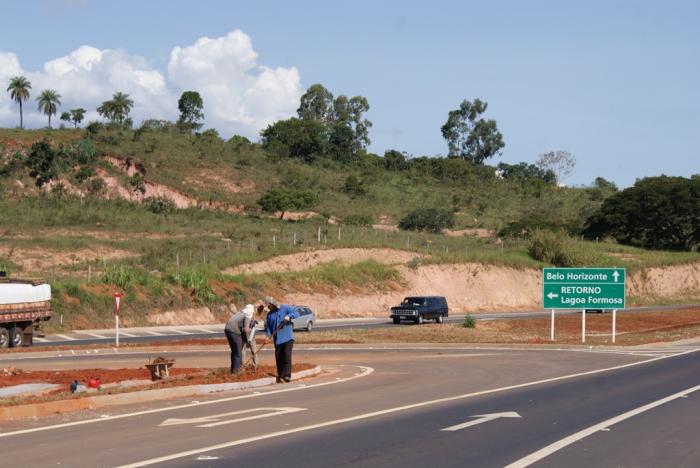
(283, 200)
(354, 186)
(196, 281)
(559, 249)
(41, 162)
(120, 276)
(160, 205)
(427, 219)
(469, 321)
(358, 220)
(138, 183)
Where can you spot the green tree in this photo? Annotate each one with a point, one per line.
(349, 113)
(470, 136)
(657, 212)
(283, 200)
(191, 109)
(41, 162)
(604, 184)
(48, 101)
(525, 172)
(316, 104)
(65, 116)
(394, 160)
(19, 92)
(117, 109)
(427, 219)
(77, 115)
(295, 138)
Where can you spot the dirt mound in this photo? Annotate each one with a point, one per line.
(665, 282)
(305, 260)
(482, 233)
(467, 287)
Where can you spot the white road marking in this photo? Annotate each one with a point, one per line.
(65, 337)
(204, 330)
(154, 333)
(180, 332)
(365, 372)
(129, 335)
(397, 409)
(560, 444)
(40, 340)
(482, 418)
(216, 417)
(94, 335)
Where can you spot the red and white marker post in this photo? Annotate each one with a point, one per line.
(117, 305)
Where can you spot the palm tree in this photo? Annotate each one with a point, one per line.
(121, 106)
(19, 91)
(49, 100)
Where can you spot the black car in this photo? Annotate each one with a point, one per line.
(421, 308)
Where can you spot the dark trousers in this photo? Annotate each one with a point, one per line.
(235, 342)
(283, 359)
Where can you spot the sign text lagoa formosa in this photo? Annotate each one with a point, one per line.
(583, 288)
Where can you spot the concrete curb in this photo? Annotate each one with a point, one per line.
(36, 410)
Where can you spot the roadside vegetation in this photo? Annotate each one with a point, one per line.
(159, 210)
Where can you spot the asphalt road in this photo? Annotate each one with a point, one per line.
(390, 407)
(172, 333)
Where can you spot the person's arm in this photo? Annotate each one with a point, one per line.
(291, 312)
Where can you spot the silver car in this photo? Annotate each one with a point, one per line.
(306, 319)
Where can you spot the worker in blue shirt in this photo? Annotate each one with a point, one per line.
(279, 324)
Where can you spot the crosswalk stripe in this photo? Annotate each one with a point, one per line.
(94, 335)
(66, 337)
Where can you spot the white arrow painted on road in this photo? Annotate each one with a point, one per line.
(552, 295)
(215, 420)
(482, 419)
(616, 276)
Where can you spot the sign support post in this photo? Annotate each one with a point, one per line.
(614, 324)
(117, 305)
(583, 326)
(551, 331)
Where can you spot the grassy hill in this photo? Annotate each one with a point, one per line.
(98, 224)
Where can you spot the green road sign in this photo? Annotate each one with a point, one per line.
(583, 288)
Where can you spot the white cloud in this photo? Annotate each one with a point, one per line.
(239, 95)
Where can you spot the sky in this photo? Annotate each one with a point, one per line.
(613, 82)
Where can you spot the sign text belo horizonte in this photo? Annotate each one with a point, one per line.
(580, 288)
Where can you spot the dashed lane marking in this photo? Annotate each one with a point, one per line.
(66, 337)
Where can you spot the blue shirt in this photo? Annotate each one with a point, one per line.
(274, 319)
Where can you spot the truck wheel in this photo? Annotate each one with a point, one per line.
(15, 337)
(396, 320)
(438, 319)
(4, 338)
(419, 320)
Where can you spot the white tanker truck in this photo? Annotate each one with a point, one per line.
(24, 305)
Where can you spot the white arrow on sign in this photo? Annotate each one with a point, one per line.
(215, 420)
(552, 295)
(482, 419)
(616, 275)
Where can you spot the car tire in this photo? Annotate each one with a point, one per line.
(438, 319)
(309, 325)
(4, 338)
(16, 337)
(419, 320)
(396, 320)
